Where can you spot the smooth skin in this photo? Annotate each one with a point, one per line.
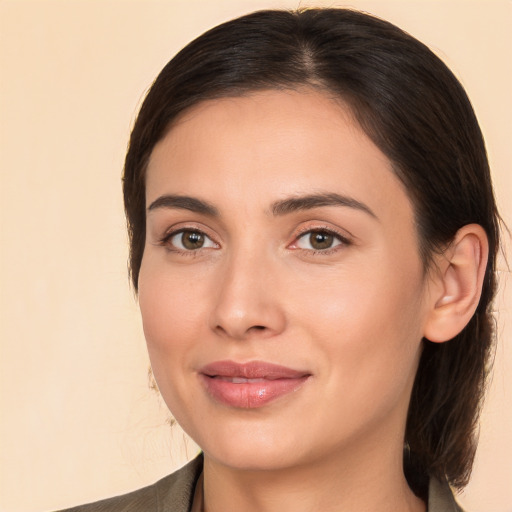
(242, 264)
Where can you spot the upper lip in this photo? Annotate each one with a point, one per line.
(251, 370)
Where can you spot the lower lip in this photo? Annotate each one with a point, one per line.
(251, 395)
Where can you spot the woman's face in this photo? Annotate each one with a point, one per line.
(282, 293)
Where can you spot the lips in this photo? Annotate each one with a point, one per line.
(250, 385)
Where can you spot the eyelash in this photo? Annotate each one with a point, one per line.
(165, 241)
(343, 241)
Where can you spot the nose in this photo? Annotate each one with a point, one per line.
(247, 301)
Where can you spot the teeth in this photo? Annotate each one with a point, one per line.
(240, 380)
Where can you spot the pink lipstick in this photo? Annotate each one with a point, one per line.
(250, 385)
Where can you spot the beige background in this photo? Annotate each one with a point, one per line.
(78, 421)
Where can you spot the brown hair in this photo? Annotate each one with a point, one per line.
(414, 109)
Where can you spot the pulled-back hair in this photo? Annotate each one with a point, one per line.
(415, 110)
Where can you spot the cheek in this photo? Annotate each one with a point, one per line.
(171, 310)
(171, 314)
(374, 296)
(374, 351)
(369, 321)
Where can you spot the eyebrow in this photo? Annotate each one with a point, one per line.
(309, 202)
(279, 208)
(184, 203)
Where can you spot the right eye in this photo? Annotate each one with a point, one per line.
(189, 240)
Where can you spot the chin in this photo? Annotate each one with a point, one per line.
(253, 459)
(251, 449)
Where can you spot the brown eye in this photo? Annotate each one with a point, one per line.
(319, 240)
(191, 240)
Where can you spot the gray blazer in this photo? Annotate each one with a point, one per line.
(175, 493)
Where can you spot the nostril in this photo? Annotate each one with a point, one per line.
(259, 327)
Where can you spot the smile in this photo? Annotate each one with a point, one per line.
(250, 385)
(238, 380)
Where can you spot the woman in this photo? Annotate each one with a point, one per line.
(313, 239)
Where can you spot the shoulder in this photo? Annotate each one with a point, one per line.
(440, 498)
(172, 493)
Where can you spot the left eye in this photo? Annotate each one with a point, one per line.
(318, 240)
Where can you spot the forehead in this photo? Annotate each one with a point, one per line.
(261, 147)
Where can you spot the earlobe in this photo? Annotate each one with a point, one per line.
(458, 283)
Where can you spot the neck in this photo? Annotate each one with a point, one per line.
(369, 480)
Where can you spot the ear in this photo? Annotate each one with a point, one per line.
(457, 284)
